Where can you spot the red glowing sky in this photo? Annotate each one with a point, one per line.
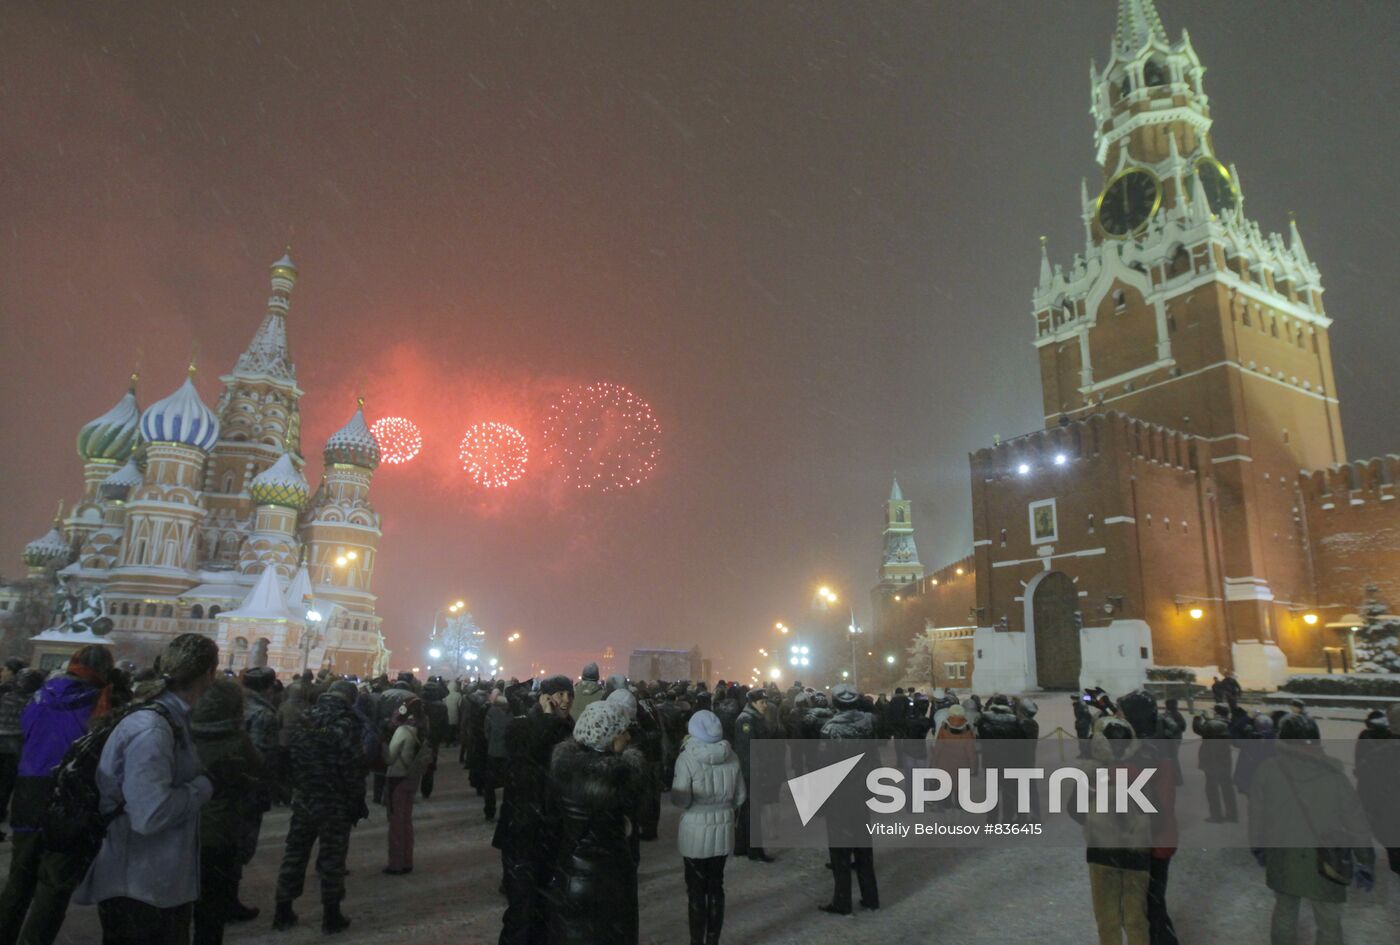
(806, 236)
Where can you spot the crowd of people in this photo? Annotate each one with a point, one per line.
(144, 793)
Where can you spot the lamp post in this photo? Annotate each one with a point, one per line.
(310, 636)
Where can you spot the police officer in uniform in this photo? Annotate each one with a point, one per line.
(749, 727)
(328, 799)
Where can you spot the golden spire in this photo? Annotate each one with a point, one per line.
(131, 386)
(194, 356)
(58, 516)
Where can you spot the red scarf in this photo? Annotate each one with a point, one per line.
(104, 689)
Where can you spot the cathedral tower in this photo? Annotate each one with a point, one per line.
(160, 545)
(259, 421)
(104, 444)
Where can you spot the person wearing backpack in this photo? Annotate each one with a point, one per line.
(328, 798)
(152, 786)
(261, 722)
(40, 882)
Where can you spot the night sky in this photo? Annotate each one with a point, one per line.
(805, 233)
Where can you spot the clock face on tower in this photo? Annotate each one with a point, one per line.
(1128, 202)
(1219, 188)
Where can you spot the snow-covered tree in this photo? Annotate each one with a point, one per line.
(1377, 643)
(918, 663)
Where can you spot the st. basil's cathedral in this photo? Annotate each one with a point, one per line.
(199, 520)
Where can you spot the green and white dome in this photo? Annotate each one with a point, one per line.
(112, 436)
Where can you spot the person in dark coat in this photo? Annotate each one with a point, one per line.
(848, 814)
(1153, 731)
(1377, 762)
(220, 738)
(15, 694)
(41, 882)
(522, 833)
(261, 723)
(435, 706)
(1214, 760)
(749, 726)
(593, 783)
(495, 727)
(999, 735)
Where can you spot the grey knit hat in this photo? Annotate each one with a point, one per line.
(599, 724)
(625, 701)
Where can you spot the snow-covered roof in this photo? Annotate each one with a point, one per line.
(353, 443)
(48, 548)
(299, 590)
(55, 635)
(216, 592)
(265, 601)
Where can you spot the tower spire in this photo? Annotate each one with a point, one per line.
(267, 354)
(1295, 241)
(1138, 25)
(1045, 274)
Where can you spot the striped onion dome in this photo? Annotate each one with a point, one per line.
(281, 484)
(181, 418)
(353, 443)
(120, 483)
(49, 551)
(112, 436)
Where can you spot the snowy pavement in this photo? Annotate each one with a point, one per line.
(968, 897)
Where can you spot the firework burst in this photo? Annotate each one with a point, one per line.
(398, 438)
(603, 437)
(494, 454)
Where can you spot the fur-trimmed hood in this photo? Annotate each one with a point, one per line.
(595, 778)
(852, 723)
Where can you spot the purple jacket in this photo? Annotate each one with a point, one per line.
(54, 720)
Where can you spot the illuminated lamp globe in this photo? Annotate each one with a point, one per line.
(1196, 613)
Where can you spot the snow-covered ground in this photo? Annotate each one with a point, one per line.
(970, 897)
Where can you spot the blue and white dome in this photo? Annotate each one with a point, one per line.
(353, 443)
(181, 418)
(112, 436)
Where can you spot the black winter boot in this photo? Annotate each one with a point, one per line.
(333, 920)
(714, 919)
(284, 918)
(696, 909)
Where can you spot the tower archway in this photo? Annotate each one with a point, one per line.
(1053, 607)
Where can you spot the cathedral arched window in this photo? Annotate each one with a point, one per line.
(1273, 327)
(899, 516)
(1244, 318)
(197, 612)
(228, 482)
(214, 612)
(1171, 324)
(1120, 300)
(1127, 87)
(126, 610)
(167, 611)
(1003, 538)
(1154, 74)
(1091, 523)
(150, 610)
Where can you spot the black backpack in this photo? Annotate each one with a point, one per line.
(74, 822)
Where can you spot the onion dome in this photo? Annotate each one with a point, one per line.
(353, 443)
(181, 418)
(280, 484)
(113, 435)
(51, 550)
(119, 485)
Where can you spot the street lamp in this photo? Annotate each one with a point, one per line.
(435, 653)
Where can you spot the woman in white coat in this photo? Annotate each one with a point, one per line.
(710, 788)
(406, 757)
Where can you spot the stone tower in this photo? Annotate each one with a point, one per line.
(899, 563)
(1184, 313)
